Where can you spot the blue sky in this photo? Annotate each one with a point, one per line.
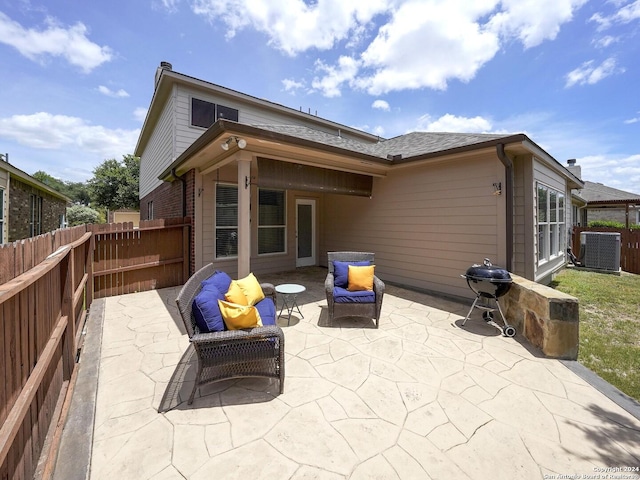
(77, 76)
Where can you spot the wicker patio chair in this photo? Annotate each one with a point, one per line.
(254, 352)
(336, 309)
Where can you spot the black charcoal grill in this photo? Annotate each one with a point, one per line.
(489, 283)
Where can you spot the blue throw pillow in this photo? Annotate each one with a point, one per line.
(206, 310)
(341, 271)
(267, 311)
(219, 280)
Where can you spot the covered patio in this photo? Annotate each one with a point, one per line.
(420, 397)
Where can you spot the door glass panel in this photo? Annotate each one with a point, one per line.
(305, 231)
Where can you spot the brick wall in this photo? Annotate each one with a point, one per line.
(19, 224)
(167, 203)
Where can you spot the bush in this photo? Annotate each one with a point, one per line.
(612, 224)
(81, 214)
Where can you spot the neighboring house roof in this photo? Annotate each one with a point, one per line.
(29, 180)
(595, 193)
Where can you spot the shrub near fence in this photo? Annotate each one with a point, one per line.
(46, 285)
(629, 245)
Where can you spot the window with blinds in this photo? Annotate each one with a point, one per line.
(226, 221)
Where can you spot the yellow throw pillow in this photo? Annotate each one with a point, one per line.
(251, 289)
(235, 294)
(360, 278)
(239, 316)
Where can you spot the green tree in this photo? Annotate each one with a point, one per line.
(81, 214)
(115, 184)
(78, 192)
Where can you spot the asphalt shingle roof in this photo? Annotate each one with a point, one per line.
(408, 145)
(597, 192)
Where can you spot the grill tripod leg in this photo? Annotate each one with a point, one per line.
(472, 307)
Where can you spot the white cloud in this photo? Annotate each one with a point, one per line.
(588, 74)
(291, 85)
(293, 26)
(606, 41)
(70, 43)
(381, 105)
(622, 172)
(533, 21)
(111, 93)
(453, 123)
(423, 44)
(626, 14)
(170, 6)
(140, 114)
(53, 132)
(334, 77)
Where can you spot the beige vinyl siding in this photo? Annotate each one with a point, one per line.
(425, 224)
(248, 114)
(543, 174)
(159, 152)
(524, 231)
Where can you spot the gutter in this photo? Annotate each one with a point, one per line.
(508, 165)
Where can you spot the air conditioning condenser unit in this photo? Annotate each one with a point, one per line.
(600, 250)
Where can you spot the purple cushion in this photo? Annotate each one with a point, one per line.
(206, 310)
(267, 311)
(341, 271)
(342, 295)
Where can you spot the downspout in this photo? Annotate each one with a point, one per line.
(184, 191)
(184, 214)
(509, 176)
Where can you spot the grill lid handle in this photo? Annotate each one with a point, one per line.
(487, 262)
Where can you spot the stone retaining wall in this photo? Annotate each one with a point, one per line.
(549, 319)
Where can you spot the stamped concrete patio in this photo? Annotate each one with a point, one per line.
(420, 397)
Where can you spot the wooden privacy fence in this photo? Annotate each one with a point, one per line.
(42, 310)
(47, 283)
(629, 245)
(128, 260)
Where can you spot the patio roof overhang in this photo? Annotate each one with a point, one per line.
(206, 154)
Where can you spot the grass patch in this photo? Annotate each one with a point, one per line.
(609, 324)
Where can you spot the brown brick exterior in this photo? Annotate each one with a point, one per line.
(168, 203)
(19, 224)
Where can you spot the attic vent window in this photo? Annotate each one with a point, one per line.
(204, 114)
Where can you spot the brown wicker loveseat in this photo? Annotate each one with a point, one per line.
(252, 352)
(370, 308)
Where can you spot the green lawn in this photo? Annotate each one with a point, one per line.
(609, 324)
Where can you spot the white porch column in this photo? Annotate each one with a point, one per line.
(244, 214)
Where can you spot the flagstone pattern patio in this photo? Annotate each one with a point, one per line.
(420, 397)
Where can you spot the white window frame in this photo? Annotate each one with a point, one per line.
(550, 224)
(282, 226)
